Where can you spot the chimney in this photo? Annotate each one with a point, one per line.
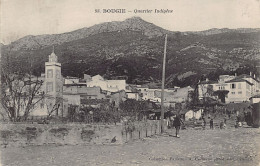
(250, 73)
(254, 75)
(207, 79)
(235, 74)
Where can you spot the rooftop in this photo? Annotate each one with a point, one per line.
(246, 76)
(239, 80)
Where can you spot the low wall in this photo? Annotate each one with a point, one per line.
(63, 134)
(75, 134)
(140, 130)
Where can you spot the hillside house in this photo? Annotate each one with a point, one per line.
(236, 88)
(107, 85)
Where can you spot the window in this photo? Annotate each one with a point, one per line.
(58, 87)
(49, 73)
(233, 86)
(240, 92)
(239, 85)
(57, 74)
(49, 86)
(221, 87)
(233, 93)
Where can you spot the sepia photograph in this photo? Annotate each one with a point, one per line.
(131, 83)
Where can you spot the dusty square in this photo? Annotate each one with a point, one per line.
(195, 147)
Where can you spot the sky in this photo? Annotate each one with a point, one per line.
(19, 18)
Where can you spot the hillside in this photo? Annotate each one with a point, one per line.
(134, 48)
(134, 23)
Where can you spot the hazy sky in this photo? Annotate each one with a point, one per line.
(34, 17)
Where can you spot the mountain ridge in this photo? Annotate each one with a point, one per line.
(133, 23)
(134, 48)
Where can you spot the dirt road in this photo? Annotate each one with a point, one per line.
(195, 147)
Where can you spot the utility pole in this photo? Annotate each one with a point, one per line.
(163, 80)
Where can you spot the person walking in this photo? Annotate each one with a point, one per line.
(211, 123)
(204, 122)
(177, 124)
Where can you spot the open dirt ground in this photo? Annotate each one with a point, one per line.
(230, 146)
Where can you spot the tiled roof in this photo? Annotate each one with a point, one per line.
(246, 76)
(239, 80)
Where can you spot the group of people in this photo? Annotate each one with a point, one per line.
(177, 121)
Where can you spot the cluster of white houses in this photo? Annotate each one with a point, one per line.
(62, 93)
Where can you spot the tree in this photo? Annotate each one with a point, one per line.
(133, 108)
(221, 95)
(20, 90)
(55, 107)
(20, 94)
(202, 97)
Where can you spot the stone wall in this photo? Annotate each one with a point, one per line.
(75, 134)
(140, 130)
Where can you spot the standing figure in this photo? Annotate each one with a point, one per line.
(211, 123)
(204, 122)
(177, 124)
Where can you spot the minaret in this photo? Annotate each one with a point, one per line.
(53, 82)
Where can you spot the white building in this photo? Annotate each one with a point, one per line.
(239, 88)
(133, 95)
(107, 85)
(255, 99)
(71, 80)
(253, 80)
(192, 114)
(172, 95)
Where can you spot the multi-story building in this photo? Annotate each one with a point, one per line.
(253, 80)
(237, 88)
